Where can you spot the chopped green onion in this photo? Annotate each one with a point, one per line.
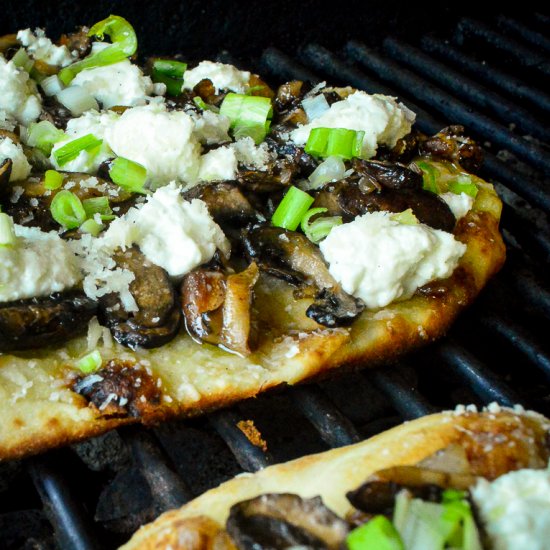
(292, 209)
(22, 60)
(317, 230)
(124, 44)
(406, 217)
(249, 115)
(90, 362)
(128, 174)
(173, 85)
(92, 227)
(201, 104)
(429, 175)
(73, 148)
(463, 184)
(67, 210)
(98, 205)
(7, 231)
(376, 534)
(44, 135)
(53, 179)
(169, 67)
(339, 142)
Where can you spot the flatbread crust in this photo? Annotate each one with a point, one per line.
(39, 410)
(495, 442)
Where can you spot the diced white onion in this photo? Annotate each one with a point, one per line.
(77, 100)
(315, 106)
(331, 169)
(51, 85)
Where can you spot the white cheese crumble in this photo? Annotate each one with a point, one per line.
(211, 128)
(222, 76)
(172, 233)
(40, 47)
(91, 122)
(161, 141)
(460, 205)
(383, 120)
(37, 265)
(121, 83)
(20, 168)
(380, 260)
(18, 95)
(515, 509)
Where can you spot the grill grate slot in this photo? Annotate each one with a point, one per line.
(526, 33)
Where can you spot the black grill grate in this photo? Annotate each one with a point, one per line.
(498, 351)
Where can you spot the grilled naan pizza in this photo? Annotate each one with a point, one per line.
(176, 238)
(461, 479)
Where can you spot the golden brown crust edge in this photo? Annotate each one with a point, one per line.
(376, 337)
(496, 442)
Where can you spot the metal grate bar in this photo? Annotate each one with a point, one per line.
(167, 487)
(405, 399)
(490, 75)
(484, 383)
(73, 529)
(532, 290)
(519, 337)
(523, 55)
(525, 32)
(445, 103)
(334, 428)
(282, 66)
(250, 457)
(461, 86)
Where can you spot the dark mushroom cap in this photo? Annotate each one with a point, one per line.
(278, 521)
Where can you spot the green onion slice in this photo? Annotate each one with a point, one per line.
(317, 230)
(173, 85)
(73, 148)
(98, 205)
(463, 184)
(92, 227)
(7, 231)
(67, 210)
(53, 179)
(376, 534)
(292, 209)
(128, 174)
(338, 142)
(406, 217)
(44, 135)
(249, 115)
(22, 60)
(124, 44)
(169, 67)
(90, 362)
(429, 175)
(201, 104)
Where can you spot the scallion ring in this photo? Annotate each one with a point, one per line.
(98, 205)
(128, 174)
(319, 228)
(90, 362)
(429, 176)
(53, 179)
(67, 210)
(292, 209)
(338, 142)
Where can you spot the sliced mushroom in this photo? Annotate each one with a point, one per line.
(38, 322)
(216, 307)
(345, 198)
(391, 175)
(277, 176)
(158, 318)
(292, 257)
(378, 493)
(278, 521)
(5, 172)
(452, 144)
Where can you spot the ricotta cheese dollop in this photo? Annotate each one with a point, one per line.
(37, 265)
(383, 120)
(161, 141)
(515, 509)
(172, 233)
(222, 76)
(380, 260)
(121, 83)
(18, 96)
(460, 204)
(20, 168)
(39, 46)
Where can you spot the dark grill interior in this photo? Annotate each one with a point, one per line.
(490, 76)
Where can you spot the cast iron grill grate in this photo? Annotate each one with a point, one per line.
(489, 77)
